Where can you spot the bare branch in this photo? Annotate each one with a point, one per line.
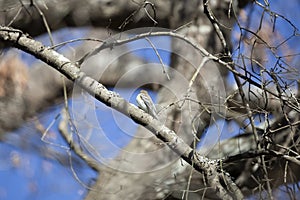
(202, 164)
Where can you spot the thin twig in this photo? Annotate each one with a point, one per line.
(159, 58)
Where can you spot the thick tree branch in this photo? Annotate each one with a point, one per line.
(209, 168)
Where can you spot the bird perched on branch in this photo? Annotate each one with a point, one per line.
(146, 104)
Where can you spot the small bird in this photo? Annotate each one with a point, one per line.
(146, 104)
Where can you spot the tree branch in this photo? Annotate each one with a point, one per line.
(210, 169)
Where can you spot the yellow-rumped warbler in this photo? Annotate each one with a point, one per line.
(146, 104)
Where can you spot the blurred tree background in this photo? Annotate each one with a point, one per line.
(225, 76)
